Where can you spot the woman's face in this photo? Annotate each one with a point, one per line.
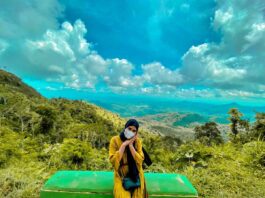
(132, 128)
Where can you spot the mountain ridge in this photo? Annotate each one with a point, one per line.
(16, 84)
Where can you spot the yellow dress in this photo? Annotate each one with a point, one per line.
(118, 190)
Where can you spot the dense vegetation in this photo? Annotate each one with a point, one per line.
(40, 136)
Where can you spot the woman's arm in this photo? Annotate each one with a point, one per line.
(115, 153)
(121, 151)
(133, 151)
(137, 155)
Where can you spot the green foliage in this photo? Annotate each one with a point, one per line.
(240, 138)
(237, 123)
(22, 179)
(192, 154)
(226, 179)
(13, 83)
(48, 116)
(9, 146)
(259, 126)
(40, 136)
(227, 173)
(255, 154)
(171, 143)
(99, 160)
(71, 154)
(208, 134)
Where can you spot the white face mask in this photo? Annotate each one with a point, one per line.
(128, 134)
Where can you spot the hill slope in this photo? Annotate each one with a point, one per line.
(13, 83)
(39, 136)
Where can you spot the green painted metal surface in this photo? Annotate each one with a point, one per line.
(99, 184)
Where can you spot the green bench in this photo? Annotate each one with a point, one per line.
(99, 184)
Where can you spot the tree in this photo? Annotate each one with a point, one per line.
(171, 143)
(72, 153)
(48, 115)
(259, 126)
(237, 124)
(208, 133)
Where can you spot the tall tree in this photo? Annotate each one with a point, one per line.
(237, 123)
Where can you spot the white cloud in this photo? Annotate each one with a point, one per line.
(192, 93)
(64, 55)
(20, 20)
(28, 18)
(61, 55)
(51, 88)
(237, 62)
(201, 67)
(156, 73)
(222, 17)
(44, 49)
(119, 75)
(256, 37)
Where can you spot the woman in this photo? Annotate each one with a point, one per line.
(126, 155)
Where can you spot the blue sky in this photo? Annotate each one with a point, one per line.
(145, 31)
(200, 50)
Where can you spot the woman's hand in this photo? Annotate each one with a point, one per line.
(130, 141)
(133, 139)
(126, 142)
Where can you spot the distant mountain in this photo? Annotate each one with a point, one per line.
(180, 125)
(163, 124)
(198, 111)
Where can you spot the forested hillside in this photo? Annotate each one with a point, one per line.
(39, 136)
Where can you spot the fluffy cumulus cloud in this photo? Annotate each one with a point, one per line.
(55, 52)
(237, 62)
(20, 20)
(156, 73)
(235, 66)
(60, 53)
(33, 44)
(119, 75)
(66, 56)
